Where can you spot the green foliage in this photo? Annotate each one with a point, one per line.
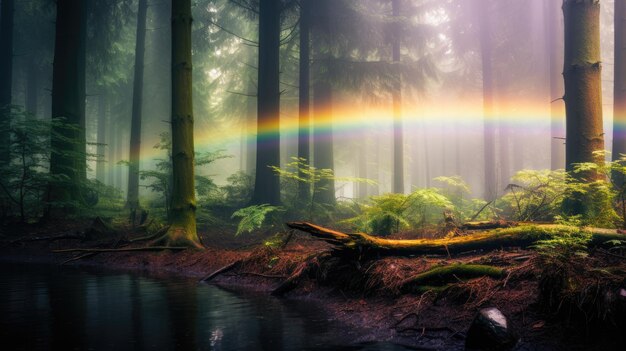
(253, 217)
(300, 171)
(238, 191)
(458, 193)
(535, 195)
(24, 181)
(160, 177)
(594, 199)
(566, 198)
(390, 213)
(564, 245)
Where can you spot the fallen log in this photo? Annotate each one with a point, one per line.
(454, 272)
(522, 236)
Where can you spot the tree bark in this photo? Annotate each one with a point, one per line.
(101, 138)
(324, 191)
(251, 119)
(266, 186)
(583, 92)
(486, 51)
(6, 76)
(132, 199)
(557, 111)
(619, 89)
(183, 203)
(398, 137)
(32, 89)
(304, 131)
(67, 148)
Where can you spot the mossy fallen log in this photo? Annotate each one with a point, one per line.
(439, 275)
(522, 236)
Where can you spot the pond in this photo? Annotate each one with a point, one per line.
(62, 308)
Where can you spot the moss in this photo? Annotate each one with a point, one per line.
(445, 274)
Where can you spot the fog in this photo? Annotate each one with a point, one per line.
(443, 114)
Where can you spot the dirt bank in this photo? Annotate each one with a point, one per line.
(367, 296)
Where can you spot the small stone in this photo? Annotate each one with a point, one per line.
(490, 332)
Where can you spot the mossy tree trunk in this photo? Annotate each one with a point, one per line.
(398, 137)
(132, 199)
(304, 131)
(67, 146)
(554, 23)
(183, 203)
(619, 88)
(365, 245)
(266, 185)
(583, 91)
(6, 74)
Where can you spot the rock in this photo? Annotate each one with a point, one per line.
(490, 331)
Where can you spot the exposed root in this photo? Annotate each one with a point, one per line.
(146, 248)
(79, 257)
(306, 268)
(48, 238)
(224, 269)
(174, 236)
(159, 233)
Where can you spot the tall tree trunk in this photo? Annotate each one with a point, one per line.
(183, 203)
(484, 24)
(323, 156)
(32, 89)
(266, 185)
(82, 86)
(361, 188)
(557, 108)
(67, 147)
(619, 89)
(304, 131)
(251, 119)
(6, 75)
(398, 138)
(583, 90)
(101, 138)
(132, 199)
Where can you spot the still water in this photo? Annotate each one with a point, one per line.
(61, 308)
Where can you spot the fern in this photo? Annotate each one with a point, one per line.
(253, 217)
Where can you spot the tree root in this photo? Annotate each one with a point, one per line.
(79, 257)
(175, 237)
(152, 236)
(224, 269)
(146, 248)
(309, 266)
(50, 238)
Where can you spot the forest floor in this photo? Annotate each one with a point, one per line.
(364, 296)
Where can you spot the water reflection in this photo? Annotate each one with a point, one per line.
(66, 309)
